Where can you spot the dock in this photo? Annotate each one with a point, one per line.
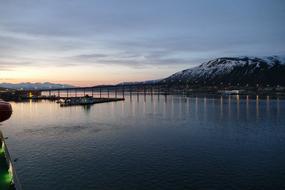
(87, 100)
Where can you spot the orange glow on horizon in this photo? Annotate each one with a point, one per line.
(79, 76)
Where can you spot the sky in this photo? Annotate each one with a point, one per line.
(90, 42)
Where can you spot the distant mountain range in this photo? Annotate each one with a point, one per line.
(235, 71)
(34, 86)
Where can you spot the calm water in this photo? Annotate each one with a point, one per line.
(151, 143)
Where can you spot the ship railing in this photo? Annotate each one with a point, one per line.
(15, 179)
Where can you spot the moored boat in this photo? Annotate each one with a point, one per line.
(86, 100)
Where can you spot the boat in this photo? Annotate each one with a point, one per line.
(5, 110)
(86, 100)
(230, 92)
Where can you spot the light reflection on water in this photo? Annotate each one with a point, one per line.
(150, 142)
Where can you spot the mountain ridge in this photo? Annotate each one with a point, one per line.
(235, 71)
(33, 86)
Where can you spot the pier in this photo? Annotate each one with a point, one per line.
(104, 93)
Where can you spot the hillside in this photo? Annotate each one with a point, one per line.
(235, 71)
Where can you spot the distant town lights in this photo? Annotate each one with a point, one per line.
(30, 94)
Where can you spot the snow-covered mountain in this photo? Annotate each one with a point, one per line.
(33, 86)
(235, 70)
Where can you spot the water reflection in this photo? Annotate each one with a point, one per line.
(267, 105)
(238, 105)
(278, 107)
(221, 107)
(164, 108)
(131, 97)
(181, 106)
(87, 108)
(257, 108)
(247, 107)
(229, 107)
(179, 130)
(187, 106)
(205, 109)
(196, 107)
(122, 108)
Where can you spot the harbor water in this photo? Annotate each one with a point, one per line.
(150, 142)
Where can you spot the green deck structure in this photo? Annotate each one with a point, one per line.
(6, 176)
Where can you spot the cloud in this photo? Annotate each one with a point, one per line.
(7, 65)
(90, 56)
(134, 59)
(136, 34)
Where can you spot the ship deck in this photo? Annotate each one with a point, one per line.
(5, 177)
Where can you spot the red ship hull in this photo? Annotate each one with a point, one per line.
(5, 111)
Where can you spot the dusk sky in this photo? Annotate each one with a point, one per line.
(89, 42)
